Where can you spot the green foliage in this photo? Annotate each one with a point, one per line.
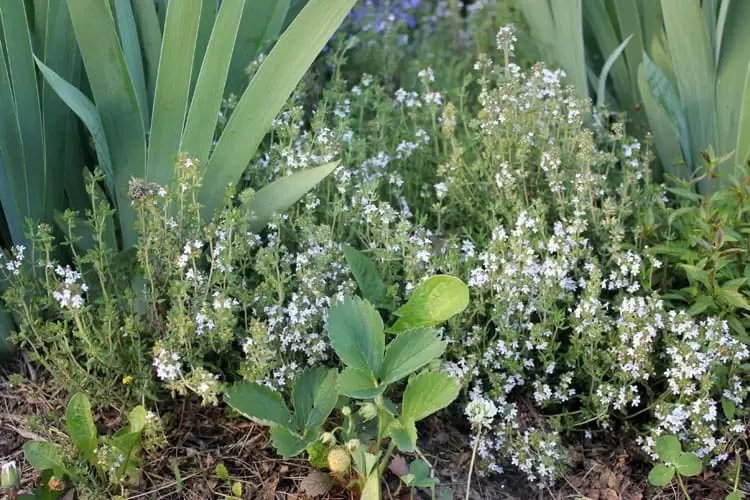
(704, 246)
(114, 458)
(432, 303)
(357, 336)
(674, 462)
(683, 73)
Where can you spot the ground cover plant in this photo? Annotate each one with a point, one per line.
(598, 302)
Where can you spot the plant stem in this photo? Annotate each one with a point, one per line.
(682, 486)
(473, 459)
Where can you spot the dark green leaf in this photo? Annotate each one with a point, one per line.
(355, 383)
(366, 274)
(288, 444)
(355, 329)
(409, 352)
(258, 403)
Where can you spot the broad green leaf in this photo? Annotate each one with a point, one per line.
(409, 352)
(355, 330)
(688, 465)
(433, 302)
(42, 455)
(304, 393)
(324, 398)
(287, 443)
(358, 384)
(735, 495)
(668, 448)
(261, 22)
(733, 298)
(172, 89)
(420, 475)
(282, 193)
(371, 491)
(267, 93)
(366, 274)
(428, 393)
(661, 475)
(728, 407)
(209, 89)
(89, 115)
(137, 418)
(80, 424)
(404, 434)
(258, 403)
(692, 57)
(115, 98)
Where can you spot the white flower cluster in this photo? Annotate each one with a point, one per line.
(69, 294)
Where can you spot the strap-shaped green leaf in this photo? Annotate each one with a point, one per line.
(131, 50)
(149, 33)
(209, 89)
(172, 89)
(692, 56)
(268, 91)
(27, 103)
(261, 21)
(115, 98)
(80, 424)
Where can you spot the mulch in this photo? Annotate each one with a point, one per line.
(201, 437)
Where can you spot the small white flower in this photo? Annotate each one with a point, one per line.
(481, 411)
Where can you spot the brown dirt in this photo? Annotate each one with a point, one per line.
(201, 437)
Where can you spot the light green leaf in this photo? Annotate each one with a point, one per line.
(267, 93)
(258, 403)
(735, 495)
(355, 330)
(89, 115)
(42, 455)
(661, 475)
(209, 89)
(371, 491)
(605, 70)
(420, 473)
(261, 22)
(688, 465)
(115, 98)
(409, 352)
(131, 50)
(137, 418)
(728, 407)
(733, 82)
(428, 393)
(433, 302)
(324, 396)
(358, 384)
(288, 444)
(282, 193)
(733, 298)
(693, 62)
(366, 274)
(149, 32)
(172, 89)
(404, 434)
(80, 424)
(668, 448)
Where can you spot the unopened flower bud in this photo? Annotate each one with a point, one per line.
(9, 476)
(352, 445)
(368, 411)
(339, 460)
(55, 484)
(346, 411)
(328, 438)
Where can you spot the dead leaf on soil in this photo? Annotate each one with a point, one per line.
(316, 484)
